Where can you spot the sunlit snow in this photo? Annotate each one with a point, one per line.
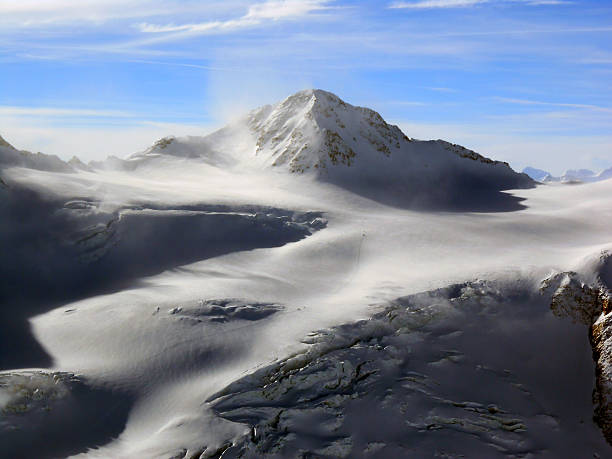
(307, 282)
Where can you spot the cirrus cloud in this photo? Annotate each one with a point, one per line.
(430, 4)
(271, 10)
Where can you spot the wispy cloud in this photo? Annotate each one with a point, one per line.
(547, 2)
(439, 89)
(7, 110)
(30, 13)
(597, 108)
(430, 4)
(94, 117)
(425, 4)
(16, 14)
(405, 103)
(271, 10)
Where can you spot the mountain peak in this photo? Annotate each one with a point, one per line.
(313, 97)
(314, 130)
(315, 133)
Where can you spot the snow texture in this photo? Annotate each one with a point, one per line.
(308, 281)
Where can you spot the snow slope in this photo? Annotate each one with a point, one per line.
(11, 157)
(227, 306)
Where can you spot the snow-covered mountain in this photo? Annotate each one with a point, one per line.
(251, 294)
(570, 176)
(315, 131)
(316, 134)
(538, 175)
(11, 157)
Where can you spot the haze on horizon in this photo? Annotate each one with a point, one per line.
(523, 81)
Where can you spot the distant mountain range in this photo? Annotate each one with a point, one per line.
(11, 157)
(570, 176)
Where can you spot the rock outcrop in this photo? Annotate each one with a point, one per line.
(586, 298)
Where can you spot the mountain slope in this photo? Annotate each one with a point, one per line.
(316, 134)
(188, 308)
(315, 130)
(11, 157)
(539, 175)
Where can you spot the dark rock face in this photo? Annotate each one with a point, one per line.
(441, 371)
(601, 340)
(590, 304)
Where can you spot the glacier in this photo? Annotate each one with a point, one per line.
(308, 281)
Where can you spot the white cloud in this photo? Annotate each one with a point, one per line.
(271, 10)
(66, 139)
(7, 110)
(33, 13)
(554, 104)
(440, 89)
(89, 134)
(429, 4)
(425, 4)
(548, 2)
(406, 103)
(282, 9)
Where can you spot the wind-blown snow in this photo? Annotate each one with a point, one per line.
(216, 258)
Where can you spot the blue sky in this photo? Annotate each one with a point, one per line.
(526, 81)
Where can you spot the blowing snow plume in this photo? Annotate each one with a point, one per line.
(315, 134)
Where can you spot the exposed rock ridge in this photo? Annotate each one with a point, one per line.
(590, 302)
(314, 129)
(469, 154)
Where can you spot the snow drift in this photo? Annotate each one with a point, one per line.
(257, 290)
